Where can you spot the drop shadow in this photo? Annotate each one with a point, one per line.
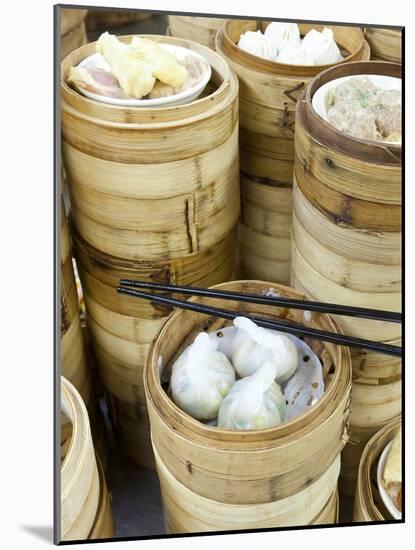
(42, 532)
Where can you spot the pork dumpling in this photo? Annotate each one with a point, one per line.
(321, 47)
(134, 76)
(253, 346)
(294, 54)
(283, 33)
(201, 378)
(254, 402)
(257, 44)
(164, 65)
(160, 89)
(353, 120)
(387, 108)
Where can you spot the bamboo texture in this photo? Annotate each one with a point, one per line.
(198, 29)
(106, 19)
(346, 248)
(85, 505)
(268, 97)
(385, 44)
(154, 196)
(73, 30)
(269, 467)
(368, 504)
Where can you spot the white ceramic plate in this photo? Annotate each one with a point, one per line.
(98, 61)
(320, 98)
(383, 492)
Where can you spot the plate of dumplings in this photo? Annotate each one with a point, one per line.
(144, 73)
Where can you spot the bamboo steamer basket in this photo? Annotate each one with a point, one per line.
(106, 20)
(79, 473)
(269, 467)
(368, 504)
(385, 44)
(85, 502)
(122, 328)
(187, 512)
(197, 29)
(268, 98)
(73, 357)
(73, 31)
(103, 526)
(186, 155)
(346, 248)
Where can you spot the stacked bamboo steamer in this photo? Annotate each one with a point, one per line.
(385, 44)
(198, 29)
(154, 196)
(73, 31)
(368, 504)
(346, 248)
(214, 479)
(85, 504)
(268, 98)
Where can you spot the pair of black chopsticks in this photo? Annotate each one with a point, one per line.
(129, 287)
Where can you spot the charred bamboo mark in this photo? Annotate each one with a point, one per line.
(287, 120)
(329, 163)
(65, 321)
(161, 276)
(290, 91)
(189, 466)
(187, 221)
(163, 309)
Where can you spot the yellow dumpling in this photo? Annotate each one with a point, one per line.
(165, 66)
(134, 75)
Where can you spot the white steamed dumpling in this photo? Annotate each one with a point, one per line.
(201, 378)
(253, 403)
(254, 346)
(258, 44)
(321, 47)
(283, 33)
(294, 54)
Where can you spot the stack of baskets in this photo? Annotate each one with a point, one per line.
(214, 479)
(385, 44)
(346, 248)
(155, 196)
(268, 99)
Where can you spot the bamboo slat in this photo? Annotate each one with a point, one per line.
(385, 44)
(79, 473)
(346, 248)
(85, 505)
(187, 512)
(368, 504)
(198, 29)
(223, 470)
(268, 97)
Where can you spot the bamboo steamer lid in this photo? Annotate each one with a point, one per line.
(268, 96)
(267, 465)
(368, 504)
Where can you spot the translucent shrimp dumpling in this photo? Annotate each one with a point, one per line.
(253, 403)
(201, 378)
(253, 346)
